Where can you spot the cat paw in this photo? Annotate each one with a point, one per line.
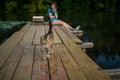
(44, 57)
(48, 55)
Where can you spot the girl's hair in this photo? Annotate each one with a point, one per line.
(54, 4)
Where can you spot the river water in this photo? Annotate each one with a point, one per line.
(101, 28)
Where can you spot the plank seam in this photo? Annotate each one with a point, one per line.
(59, 37)
(69, 35)
(71, 54)
(24, 34)
(34, 34)
(49, 68)
(18, 63)
(33, 61)
(14, 48)
(62, 63)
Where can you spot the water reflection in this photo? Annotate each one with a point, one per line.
(101, 28)
(107, 57)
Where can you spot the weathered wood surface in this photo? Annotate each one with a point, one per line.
(57, 70)
(8, 46)
(113, 73)
(21, 57)
(38, 18)
(74, 38)
(90, 69)
(40, 67)
(86, 45)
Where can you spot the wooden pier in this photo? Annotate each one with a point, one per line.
(21, 57)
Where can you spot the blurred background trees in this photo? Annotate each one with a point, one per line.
(64, 5)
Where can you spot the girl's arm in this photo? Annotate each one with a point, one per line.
(56, 15)
(50, 14)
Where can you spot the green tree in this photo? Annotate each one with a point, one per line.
(11, 6)
(64, 5)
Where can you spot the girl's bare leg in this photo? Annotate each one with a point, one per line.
(64, 24)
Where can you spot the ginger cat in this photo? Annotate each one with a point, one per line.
(47, 45)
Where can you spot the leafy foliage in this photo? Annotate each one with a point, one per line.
(64, 5)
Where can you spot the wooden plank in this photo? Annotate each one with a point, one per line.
(89, 67)
(8, 69)
(46, 28)
(29, 36)
(24, 28)
(10, 65)
(11, 62)
(24, 69)
(37, 36)
(68, 66)
(40, 32)
(40, 67)
(7, 47)
(57, 71)
(56, 37)
(25, 65)
(72, 36)
(38, 18)
(77, 33)
(73, 70)
(86, 45)
(113, 72)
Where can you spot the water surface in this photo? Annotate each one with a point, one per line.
(103, 29)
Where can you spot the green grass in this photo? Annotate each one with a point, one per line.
(9, 24)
